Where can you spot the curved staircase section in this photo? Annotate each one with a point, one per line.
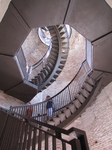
(74, 109)
(70, 102)
(70, 112)
(57, 58)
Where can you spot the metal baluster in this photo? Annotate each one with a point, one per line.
(17, 127)
(42, 113)
(10, 127)
(69, 93)
(75, 144)
(54, 143)
(34, 139)
(63, 146)
(29, 138)
(39, 140)
(20, 144)
(25, 136)
(38, 111)
(4, 132)
(46, 141)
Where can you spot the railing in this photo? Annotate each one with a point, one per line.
(89, 53)
(17, 134)
(61, 99)
(21, 62)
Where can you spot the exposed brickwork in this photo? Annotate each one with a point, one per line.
(97, 121)
(6, 101)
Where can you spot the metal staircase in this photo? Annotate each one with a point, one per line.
(54, 63)
(70, 102)
(18, 21)
(16, 134)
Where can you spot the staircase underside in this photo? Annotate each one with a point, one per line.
(91, 22)
(56, 60)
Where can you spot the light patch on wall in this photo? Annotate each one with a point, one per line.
(3, 7)
(109, 2)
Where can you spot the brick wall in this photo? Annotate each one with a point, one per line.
(97, 121)
(6, 101)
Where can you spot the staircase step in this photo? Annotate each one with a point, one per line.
(51, 122)
(77, 103)
(58, 71)
(55, 76)
(90, 81)
(61, 66)
(51, 60)
(64, 56)
(85, 93)
(72, 108)
(63, 34)
(52, 57)
(55, 50)
(43, 76)
(81, 98)
(64, 39)
(57, 120)
(52, 80)
(45, 72)
(62, 116)
(51, 65)
(48, 68)
(54, 53)
(87, 86)
(67, 112)
(54, 37)
(55, 41)
(60, 28)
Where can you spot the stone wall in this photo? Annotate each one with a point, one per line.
(97, 121)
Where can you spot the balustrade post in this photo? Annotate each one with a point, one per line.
(4, 127)
(75, 144)
(69, 93)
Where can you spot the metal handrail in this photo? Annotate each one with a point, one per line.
(24, 135)
(61, 99)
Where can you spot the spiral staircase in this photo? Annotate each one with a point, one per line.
(95, 24)
(56, 59)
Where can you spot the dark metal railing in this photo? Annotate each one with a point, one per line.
(17, 134)
(61, 99)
